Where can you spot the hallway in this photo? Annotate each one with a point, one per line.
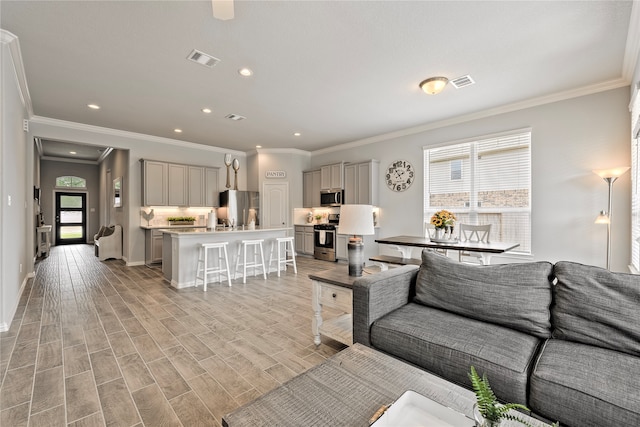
(98, 343)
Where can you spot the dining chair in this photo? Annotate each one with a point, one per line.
(473, 233)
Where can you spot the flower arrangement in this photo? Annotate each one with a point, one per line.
(443, 219)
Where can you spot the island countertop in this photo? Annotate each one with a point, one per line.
(180, 249)
(219, 230)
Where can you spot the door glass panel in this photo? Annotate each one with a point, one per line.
(70, 202)
(67, 217)
(67, 232)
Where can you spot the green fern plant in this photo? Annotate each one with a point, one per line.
(492, 411)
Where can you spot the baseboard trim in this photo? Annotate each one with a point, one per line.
(4, 326)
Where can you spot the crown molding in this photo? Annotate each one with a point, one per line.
(282, 151)
(533, 102)
(126, 134)
(632, 48)
(11, 40)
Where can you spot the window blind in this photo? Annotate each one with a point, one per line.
(485, 181)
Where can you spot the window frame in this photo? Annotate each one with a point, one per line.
(519, 252)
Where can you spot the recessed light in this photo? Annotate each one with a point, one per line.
(72, 152)
(258, 146)
(297, 134)
(177, 130)
(245, 72)
(93, 106)
(206, 110)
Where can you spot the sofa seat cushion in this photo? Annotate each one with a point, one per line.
(596, 306)
(517, 296)
(582, 385)
(447, 345)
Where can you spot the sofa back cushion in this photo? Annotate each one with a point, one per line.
(596, 306)
(516, 296)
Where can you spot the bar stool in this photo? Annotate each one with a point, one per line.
(284, 247)
(242, 251)
(204, 259)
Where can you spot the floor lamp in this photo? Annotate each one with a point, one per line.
(610, 176)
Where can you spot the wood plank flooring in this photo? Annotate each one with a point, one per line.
(99, 343)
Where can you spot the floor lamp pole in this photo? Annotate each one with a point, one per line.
(609, 180)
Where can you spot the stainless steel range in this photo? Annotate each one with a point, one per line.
(324, 239)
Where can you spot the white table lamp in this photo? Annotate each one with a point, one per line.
(357, 221)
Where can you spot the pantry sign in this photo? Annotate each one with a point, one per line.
(276, 174)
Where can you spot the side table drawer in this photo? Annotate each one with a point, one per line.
(335, 296)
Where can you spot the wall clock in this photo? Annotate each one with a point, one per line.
(399, 175)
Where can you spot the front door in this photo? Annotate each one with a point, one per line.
(71, 218)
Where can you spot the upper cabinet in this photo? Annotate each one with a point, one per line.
(361, 183)
(154, 183)
(177, 185)
(171, 184)
(331, 177)
(311, 189)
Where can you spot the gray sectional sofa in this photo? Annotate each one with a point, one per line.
(562, 338)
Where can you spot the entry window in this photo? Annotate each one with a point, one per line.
(71, 182)
(70, 218)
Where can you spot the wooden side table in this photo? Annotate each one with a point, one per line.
(334, 288)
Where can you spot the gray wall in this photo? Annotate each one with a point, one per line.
(16, 219)
(569, 139)
(49, 171)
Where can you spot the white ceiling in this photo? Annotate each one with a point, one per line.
(335, 71)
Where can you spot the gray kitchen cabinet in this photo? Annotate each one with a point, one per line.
(177, 185)
(153, 246)
(361, 183)
(311, 189)
(212, 192)
(331, 177)
(195, 187)
(155, 181)
(304, 239)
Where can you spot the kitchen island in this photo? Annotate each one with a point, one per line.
(180, 249)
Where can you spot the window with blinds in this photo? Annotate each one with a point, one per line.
(635, 185)
(486, 181)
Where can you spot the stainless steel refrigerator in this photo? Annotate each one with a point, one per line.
(239, 207)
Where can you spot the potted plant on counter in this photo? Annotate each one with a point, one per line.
(181, 220)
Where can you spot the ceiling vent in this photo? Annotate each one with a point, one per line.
(202, 58)
(235, 117)
(462, 81)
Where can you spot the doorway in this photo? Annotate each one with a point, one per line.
(71, 218)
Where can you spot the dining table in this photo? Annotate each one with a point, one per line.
(405, 244)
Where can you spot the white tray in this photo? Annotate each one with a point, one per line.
(415, 410)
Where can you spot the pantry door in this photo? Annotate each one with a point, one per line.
(275, 205)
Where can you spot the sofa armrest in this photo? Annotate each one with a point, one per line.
(379, 294)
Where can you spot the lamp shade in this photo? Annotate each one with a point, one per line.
(603, 218)
(611, 173)
(356, 220)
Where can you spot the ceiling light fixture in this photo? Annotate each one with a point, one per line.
(245, 72)
(434, 85)
(206, 110)
(297, 134)
(72, 152)
(258, 146)
(177, 130)
(93, 106)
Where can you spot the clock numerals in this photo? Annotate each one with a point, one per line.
(399, 175)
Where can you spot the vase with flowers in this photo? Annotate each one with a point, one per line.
(443, 221)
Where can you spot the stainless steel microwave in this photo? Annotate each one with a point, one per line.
(331, 198)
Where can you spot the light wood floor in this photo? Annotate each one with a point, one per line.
(98, 343)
